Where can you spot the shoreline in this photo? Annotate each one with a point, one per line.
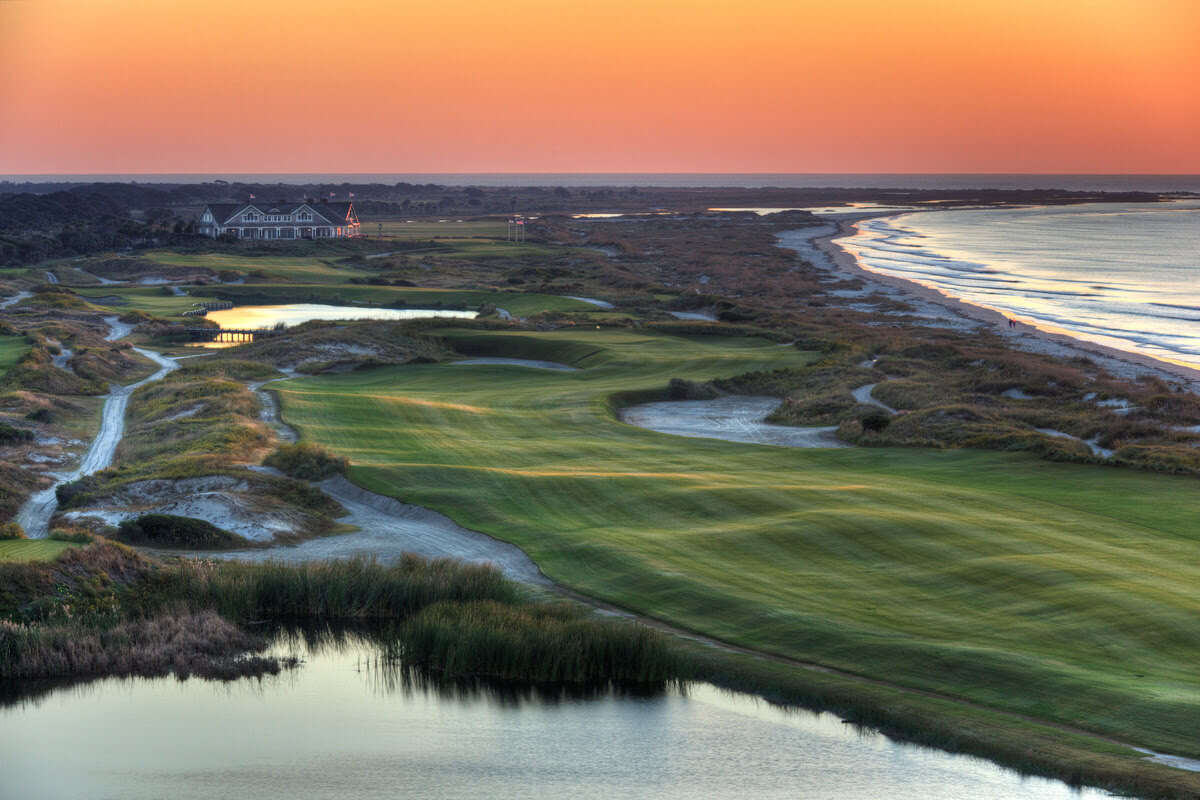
(1027, 337)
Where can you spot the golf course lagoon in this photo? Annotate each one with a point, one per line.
(290, 314)
(401, 731)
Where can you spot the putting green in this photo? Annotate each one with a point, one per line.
(24, 550)
(1064, 591)
(12, 349)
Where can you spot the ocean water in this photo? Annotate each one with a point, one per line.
(1091, 183)
(1122, 275)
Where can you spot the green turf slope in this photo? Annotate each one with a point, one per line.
(1064, 591)
(23, 550)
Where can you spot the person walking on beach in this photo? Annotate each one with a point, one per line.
(1012, 323)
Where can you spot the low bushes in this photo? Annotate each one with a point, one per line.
(11, 530)
(168, 530)
(11, 435)
(680, 389)
(306, 461)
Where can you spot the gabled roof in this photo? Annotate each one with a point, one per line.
(223, 212)
(333, 213)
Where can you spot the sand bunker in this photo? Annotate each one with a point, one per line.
(697, 316)
(737, 418)
(388, 529)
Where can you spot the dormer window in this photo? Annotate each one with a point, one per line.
(304, 216)
(250, 216)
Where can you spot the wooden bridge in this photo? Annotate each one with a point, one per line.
(236, 335)
(202, 309)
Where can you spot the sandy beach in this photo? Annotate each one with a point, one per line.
(954, 312)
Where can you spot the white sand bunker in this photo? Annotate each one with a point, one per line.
(519, 362)
(737, 418)
(388, 529)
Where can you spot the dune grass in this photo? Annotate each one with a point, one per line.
(1067, 592)
(12, 349)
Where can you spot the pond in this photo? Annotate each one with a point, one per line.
(343, 726)
(296, 313)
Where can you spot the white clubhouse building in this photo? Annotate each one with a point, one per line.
(254, 220)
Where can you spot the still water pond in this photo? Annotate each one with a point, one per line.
(337, 728)
(296, 313)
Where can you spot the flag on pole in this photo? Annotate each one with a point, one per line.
(352, 194)
(251, 197)
(331, 194)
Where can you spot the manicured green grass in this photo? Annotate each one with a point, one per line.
(12, 348)
(146, 298)
(24, 550)
(303, 269)
(424, 229)
(1067, 592)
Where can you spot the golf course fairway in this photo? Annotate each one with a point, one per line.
(1067, 592)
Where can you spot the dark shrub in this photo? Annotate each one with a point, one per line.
(876, 422)
(679, 389)
(168, 530)
(77, 537)
(11, 530)
(306, 461)
(68, 493)
(40, 415)
(11, 435)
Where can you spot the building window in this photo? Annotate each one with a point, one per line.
(287, 233)
(304, 216)
(250, 217)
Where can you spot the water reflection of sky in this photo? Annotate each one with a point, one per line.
(1123, 275)
(339, 727)
(296, 313)
(259, 317)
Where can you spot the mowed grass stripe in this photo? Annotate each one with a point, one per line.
(12, 349)
(1064, 591)
(23, 550)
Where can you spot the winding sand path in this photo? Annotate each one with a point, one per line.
(603, 304)
(34, 515)
(16, 298)
(863, 395)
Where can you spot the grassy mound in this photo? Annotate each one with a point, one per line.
(168, 530)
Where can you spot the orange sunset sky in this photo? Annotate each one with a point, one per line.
(134, 86)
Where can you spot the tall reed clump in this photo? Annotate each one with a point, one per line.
(344, 589)
(184, 644)
(545, 643)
